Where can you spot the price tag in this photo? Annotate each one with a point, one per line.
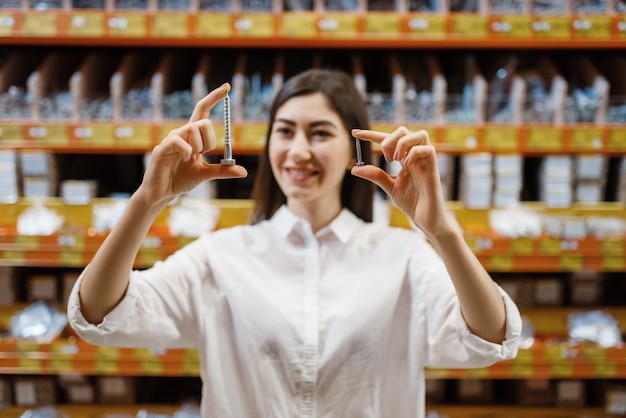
(500, 263)
(612, 247)
(570, 263)
(90, 135)
(620, 25)
(343, 25)
(29, 365)
(460, 137)
(617, 139)
(108, 353)
(258, 25)
(428, 25)
(87, 24)
(545, 139)
(48, 134)
(551, 27)
(501, 138)
(7, 23)
(586, 139)
(512, 26)
(39, 24)
(62, 365)
(214, 25)
(253, 136)
(592, 26)
(77, 242)
(11, 133)
(549, 246)
(128, 25)
(64, 349)
(151, 367)
(523, 246)
(561, 370)
(298, 25)
(170, 25)
(469, 25)
(105, 367)
(605, 370)
(27, 241)
(70, 258)
(134, 135)
(522, 370)
(382, 24)
(16, 257)
(613, 264)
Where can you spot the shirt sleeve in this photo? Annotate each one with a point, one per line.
(160, 306)
(449, 343)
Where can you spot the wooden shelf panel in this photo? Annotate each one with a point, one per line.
(248, 137)
(310, 29)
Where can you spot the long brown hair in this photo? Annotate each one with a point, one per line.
(346, 101)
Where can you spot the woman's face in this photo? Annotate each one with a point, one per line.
(310, 151)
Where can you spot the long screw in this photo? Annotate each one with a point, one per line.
(359, 156)
(228, 145)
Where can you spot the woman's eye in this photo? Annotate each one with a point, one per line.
(321, 134)
(284, 131)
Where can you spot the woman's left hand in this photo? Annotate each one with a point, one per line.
(416, 189)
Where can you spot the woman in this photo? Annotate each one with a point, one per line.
(312, 311)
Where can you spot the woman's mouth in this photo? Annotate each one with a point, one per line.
(300, 174)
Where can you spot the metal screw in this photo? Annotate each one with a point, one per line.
(228, 146)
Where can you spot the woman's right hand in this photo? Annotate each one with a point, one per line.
(176, 165)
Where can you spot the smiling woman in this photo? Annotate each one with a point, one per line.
(313, 310)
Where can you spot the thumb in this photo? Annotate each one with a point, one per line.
(375, 175)
(219, 171)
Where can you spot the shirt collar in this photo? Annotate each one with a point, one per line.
(343, 226)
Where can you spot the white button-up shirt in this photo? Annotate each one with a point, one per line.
(288, 323)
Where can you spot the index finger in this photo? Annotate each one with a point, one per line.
(204, 105)
(368, 135)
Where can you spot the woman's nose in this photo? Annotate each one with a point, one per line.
(300, 148)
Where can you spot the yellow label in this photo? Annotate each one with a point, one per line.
(621, 25)
(460, 137)
(258, 25)
(523, 356)
(134, 135)
(428, 25)
(298, 25)
(105, 367)
(214, 25)
(11, 133)
(617, 139)
(170, 25)
(469, 25)
(7, 24)
(190, 368)
(501, 138)
(613, 264)
(26, 347)
(338, 25)
(592, 26)
(562, 370)
(612, 247)
(570, 263)
(108, 353)
(586, 139)
(13, 257)
(512, 26)
(253, 136)
(131, 25)
(437, 373)
(39, 24)
(382, 24)
(551, 27)
(62, 365)
(27, 241)
(549, 246)
(151, 367)
(545, 139)
(148, 258)
(49, 134)
(501, 263)
(523, 246)
(606, 370)
(95, 134)
(69, 258)
(191, 355)
(594, 354)
(522, 370)
(87, 24)
(30, 365)
(481, 373)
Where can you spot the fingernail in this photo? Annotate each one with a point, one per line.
(395, 155)
(405, 161)
(355, 130)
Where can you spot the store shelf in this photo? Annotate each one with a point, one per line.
(249, 137)
(310, 29)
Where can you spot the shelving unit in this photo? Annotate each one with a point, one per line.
(94, 54)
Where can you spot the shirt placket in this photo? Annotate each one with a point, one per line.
(311, 332)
